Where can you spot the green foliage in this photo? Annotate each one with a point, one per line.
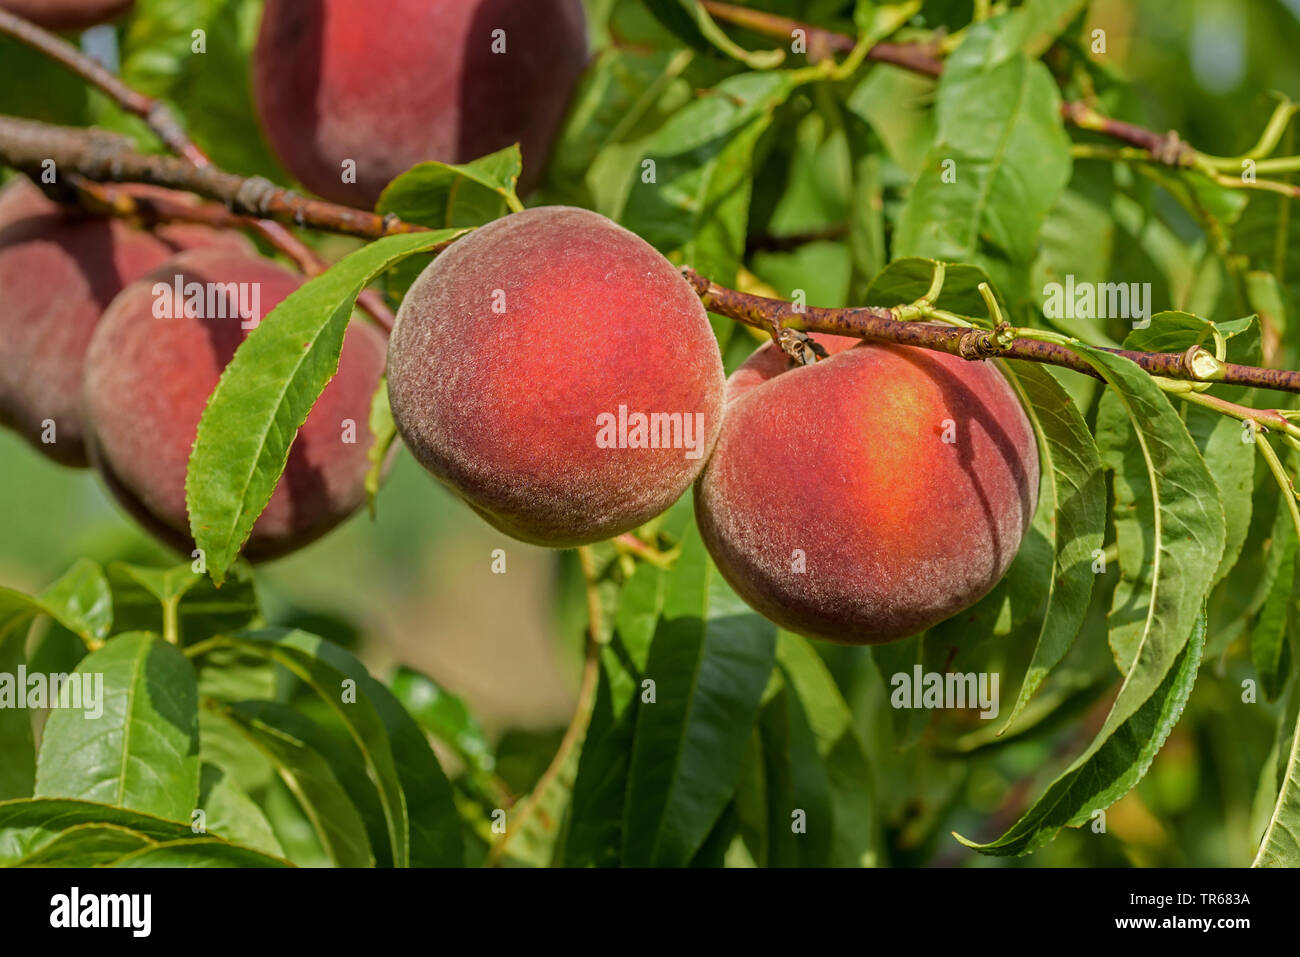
(267, 391)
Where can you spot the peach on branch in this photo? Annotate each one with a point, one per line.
(559, 374)
(870, 495)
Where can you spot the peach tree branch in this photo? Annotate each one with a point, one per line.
(883, 324)
(104, 158)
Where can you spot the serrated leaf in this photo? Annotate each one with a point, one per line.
(142, 752)
(1115, 762)
(266, 392)
(710, 660)
(1219, 437)
(1279, 846)
(1075, 490)
(81, 601)
(1187, 532)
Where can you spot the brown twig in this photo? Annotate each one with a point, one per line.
(878, 324)
(104, 157)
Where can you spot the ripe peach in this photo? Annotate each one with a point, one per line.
(338, 80)
(868, 496)
(67, 14)
(149, 378)
(59, 270)
(556, 372)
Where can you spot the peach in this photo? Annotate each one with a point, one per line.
(59, 270)
(338, 80)
(67, 14)
(148, 379)
(559, 374)
(871, 495)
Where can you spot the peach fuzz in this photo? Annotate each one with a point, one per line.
(870, 495)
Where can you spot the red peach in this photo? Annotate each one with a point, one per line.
(59, 270)
(339, 80)
(521, 358)
(149, 378)
(871, 495)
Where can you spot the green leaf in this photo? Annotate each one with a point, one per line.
(1000, 134)
(278, 731)
(625, 94)
(231, 814)
(86, 845)
(1075, 491)
(710, 660)
(696, 199)
(1169, 572)
(907, 280)
(1110, 768)
(423, 827)
(854, 839)
(1277, 617)
(444, 716)
(28, 825)
(1280, 844)
(900, 657)
(384, 431)
(142, 752)
(266, 392)
(179, 603)
(199, 852)
(1219, 437)
(600, 787)
(801, 821)
(18, 768)
(446, 196)
(1042, 21)
(81, 601)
